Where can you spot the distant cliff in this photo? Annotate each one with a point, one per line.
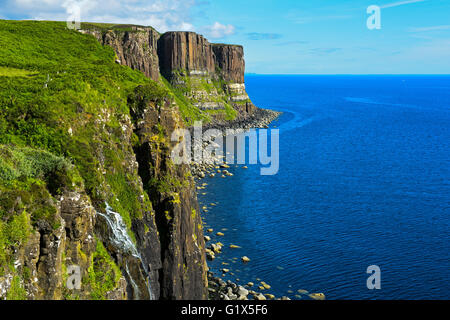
(206, 76)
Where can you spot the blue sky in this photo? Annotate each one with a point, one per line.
(290, 36)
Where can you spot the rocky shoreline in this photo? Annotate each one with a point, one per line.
(219, 289)
(228, 290)
(259, 119)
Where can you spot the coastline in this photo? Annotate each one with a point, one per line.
(260, 119)
(218, 288)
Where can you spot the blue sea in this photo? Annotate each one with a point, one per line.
(364, 180)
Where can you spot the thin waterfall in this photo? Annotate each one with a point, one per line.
(122, 241)
(136, 290)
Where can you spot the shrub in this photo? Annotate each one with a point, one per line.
(16, 291)
(143, 95)
(27, 163)
(104, 275)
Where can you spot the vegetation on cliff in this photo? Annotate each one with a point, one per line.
(66, 133)
(75, 91)
(85, 121)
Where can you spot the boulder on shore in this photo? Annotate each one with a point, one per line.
(317, 296)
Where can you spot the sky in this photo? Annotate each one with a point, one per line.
(285, 36)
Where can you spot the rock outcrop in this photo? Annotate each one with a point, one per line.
(50, 251)
(230, 60)
(136, 49)
(210, 76)
(186, 52)
(172, 191)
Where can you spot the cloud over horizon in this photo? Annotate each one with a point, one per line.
(163, 15)
(400, 3)
(218, 30)
(263, 36)
(432, 28)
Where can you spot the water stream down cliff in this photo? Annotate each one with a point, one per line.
(121, 241)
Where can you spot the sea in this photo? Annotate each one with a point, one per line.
(363, 180)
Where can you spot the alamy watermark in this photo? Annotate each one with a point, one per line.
(212, 144)
(74, 277)
(374, 280)
(73, 10)
(374, 20)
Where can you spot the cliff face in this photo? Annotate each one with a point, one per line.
(86, 177)
(136, 49)
(171, 189)
(185, 51)
(209, 76)
(230, 60)
(158, 254)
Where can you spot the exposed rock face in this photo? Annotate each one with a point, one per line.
(143, 49)
(183, 274)
(49, 251)
(191, 52)
(230, 60)
(185, 51)
(136, 49)
(210, 76)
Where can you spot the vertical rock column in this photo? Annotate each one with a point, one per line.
(231, 67)
(185, 52)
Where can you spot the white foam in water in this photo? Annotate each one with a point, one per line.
(122, 241)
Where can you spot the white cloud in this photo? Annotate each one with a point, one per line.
(163, 15)
(432, 28)
(434, 52)
(218, 30)
(400, 3)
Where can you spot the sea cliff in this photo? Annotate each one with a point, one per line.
(87, 185)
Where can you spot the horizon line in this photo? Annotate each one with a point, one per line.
(346, 74)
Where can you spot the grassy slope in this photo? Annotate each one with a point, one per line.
(62, 98)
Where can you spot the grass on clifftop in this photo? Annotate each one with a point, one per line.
(112, 26)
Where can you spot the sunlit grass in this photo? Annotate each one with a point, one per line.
(13, 72)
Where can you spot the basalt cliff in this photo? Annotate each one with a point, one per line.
(91, 205)
(209, 77)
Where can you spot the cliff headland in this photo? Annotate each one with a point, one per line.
(91, 205)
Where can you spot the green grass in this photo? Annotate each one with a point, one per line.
(214, 87)
(111, 26)
(229, 113)
(188, 111)
(104, 274)
(63, 100)
(20, 163)
(16, 291)
(13, 72)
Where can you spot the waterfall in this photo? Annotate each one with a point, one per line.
(122, 241)
(133, 284)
